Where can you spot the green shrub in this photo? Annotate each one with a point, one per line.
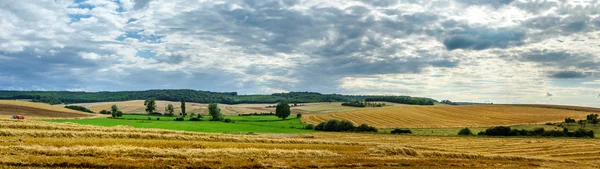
(157, 118)
(465, 132)
(299, 115)
(105, 112)
(365, 128)
(401, 131)
(179, 119)
(156, 114)
(79, 108)
(309, 126)
(228, 121)
(570, 120)
(195, 119)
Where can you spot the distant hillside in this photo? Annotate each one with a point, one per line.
(37, 110)
(198, 96)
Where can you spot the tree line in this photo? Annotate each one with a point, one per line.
(198, 96)
(402, 100)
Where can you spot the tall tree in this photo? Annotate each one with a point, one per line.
(150, 105)
(215, 112)
(170, 109)
(183, 107)
(114, 109)
(282, 110)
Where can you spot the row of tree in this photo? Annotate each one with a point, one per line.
(507, 131)
(402, 100)
(363, 104)
(198, 96)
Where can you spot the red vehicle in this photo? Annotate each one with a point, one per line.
(18, 117)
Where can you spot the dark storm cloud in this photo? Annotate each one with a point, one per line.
(561, 59)
(579, 65)
(483, 38)
(568, 75)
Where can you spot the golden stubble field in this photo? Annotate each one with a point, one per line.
(33, 144)
(449, 116)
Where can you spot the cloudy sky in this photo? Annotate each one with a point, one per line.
(501, 51)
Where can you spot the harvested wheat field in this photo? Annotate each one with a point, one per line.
(27, 144)
(449, 116)
(33, 110)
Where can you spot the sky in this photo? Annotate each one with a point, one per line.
(500, 51)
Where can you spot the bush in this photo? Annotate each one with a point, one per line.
(79, 108)
(157, 118)
(570, 120)
(365, 128)
(195, 119)
(218, 118)
(309, 126)
(498, 131)
(299, 115)
(179, 119)
(549, 124)
(149, 118)
(228, 121)
(401, 131)
(105, 112)
(156, 114)
(465, 132)
(343, 125)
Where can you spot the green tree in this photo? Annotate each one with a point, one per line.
(465, 132)
(183, 106)
(119, 113)
(282, 110)
(114, 109)
(299, 115)
(592, 118)
(150, 105)
(215, 112)
(170, 109)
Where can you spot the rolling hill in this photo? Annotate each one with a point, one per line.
(449, 116)
(32, 110)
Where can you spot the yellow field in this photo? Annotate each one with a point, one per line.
(32, 110)
(31, 144)
(449, 116)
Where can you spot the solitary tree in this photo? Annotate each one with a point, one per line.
(592, 118)
(215, 112)
(282, 110)
(169, 109)
(150, 105)
(183, 107)
(114, 109)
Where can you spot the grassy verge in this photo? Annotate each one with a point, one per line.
(242, 124)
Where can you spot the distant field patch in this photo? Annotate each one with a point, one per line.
(33, 110)
(449, 116)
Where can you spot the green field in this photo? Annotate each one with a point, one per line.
(242, 124)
